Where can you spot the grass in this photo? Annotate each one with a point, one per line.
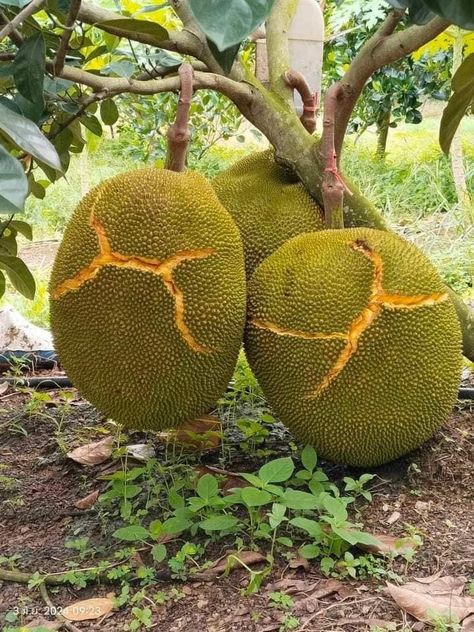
(413, 187)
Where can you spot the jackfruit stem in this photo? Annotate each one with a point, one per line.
(297, 82)
(333, 186)
(178, 134)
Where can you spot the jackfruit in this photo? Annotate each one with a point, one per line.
(268, 203)
(355, 343)
(148, 298)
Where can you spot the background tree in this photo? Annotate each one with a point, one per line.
(53, 76)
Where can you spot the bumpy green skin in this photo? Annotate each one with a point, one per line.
(117, 336)
(402, 381)
(268, 204)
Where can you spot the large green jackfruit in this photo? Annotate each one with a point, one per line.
(268, 204)
(355, 343)
(148, 297)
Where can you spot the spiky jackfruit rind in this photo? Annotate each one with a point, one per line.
(268, 204)
(117, 335)
(401, 381)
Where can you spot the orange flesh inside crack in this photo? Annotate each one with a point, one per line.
(378, 300)
(163, 269)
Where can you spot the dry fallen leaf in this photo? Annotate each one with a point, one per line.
(88, 609)
(141, 451)
(299, 562)
(396, 515)
(390, 544)
(447, 585)
(88, 501)
(203, 433)
(222, 564)
(93, 453)
(421, 603)
(4, 386)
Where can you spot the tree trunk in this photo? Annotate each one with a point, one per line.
(383, 125)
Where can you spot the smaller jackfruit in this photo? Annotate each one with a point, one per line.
(148, 298)
(268, 204)
(355, 343)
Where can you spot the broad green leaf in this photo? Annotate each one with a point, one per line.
(176, 525)
(294, 499)
(255, 497)
(92, 123)
(225, 57)
(108, 112)
(461, 100)
(27, 136)
(219, 523)
(2, 284)
(311, 527)
(335, 507)
(277, 471)
(128, 27)
(309, 457)
(156, 528)
(207, 486)
(13, 183)
(15, 3)
(158, 553)
(309, 551)
(460, 12)
(133, 533)
(229, 22)
(29, 68)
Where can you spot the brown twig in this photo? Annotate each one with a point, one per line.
(93, 98)
(52, 608)
(297, 82)
(60, 57)
(20, 17)
(333, 187)
(178, 133)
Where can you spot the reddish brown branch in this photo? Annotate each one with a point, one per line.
(333, 186)
(178, 133)
(297, 82)
(59, 59)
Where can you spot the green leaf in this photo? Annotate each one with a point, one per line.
(229, 22)
(311, 527)
(226, 57)
(13, 183)
(19, 275)
(92, 123)
(207, 486)
(255, 497)
(27, 136)
(156, 528)
(2, 284)
(459, 103)
(460, 12)
(176, 525)
(129, 26)
(294, 499)
(15, 3)
(309, 551)
(158, 553)
(335, 507)
(277, 471)
(133, 533)
(29, 68)
(109, 112)
(309, 458)
(219, 523)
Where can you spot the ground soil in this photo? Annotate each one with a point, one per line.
(430, 492)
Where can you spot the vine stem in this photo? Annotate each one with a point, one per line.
(178, 133)
(333, 186)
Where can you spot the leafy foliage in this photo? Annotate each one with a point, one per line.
(459, 104)
(460, 12)
(229, 23)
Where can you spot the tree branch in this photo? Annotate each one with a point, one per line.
(277, 25)
(296, 81)
(58, 61)
(25, 13)
(384, 47)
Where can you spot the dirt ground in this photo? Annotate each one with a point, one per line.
(430, 493)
